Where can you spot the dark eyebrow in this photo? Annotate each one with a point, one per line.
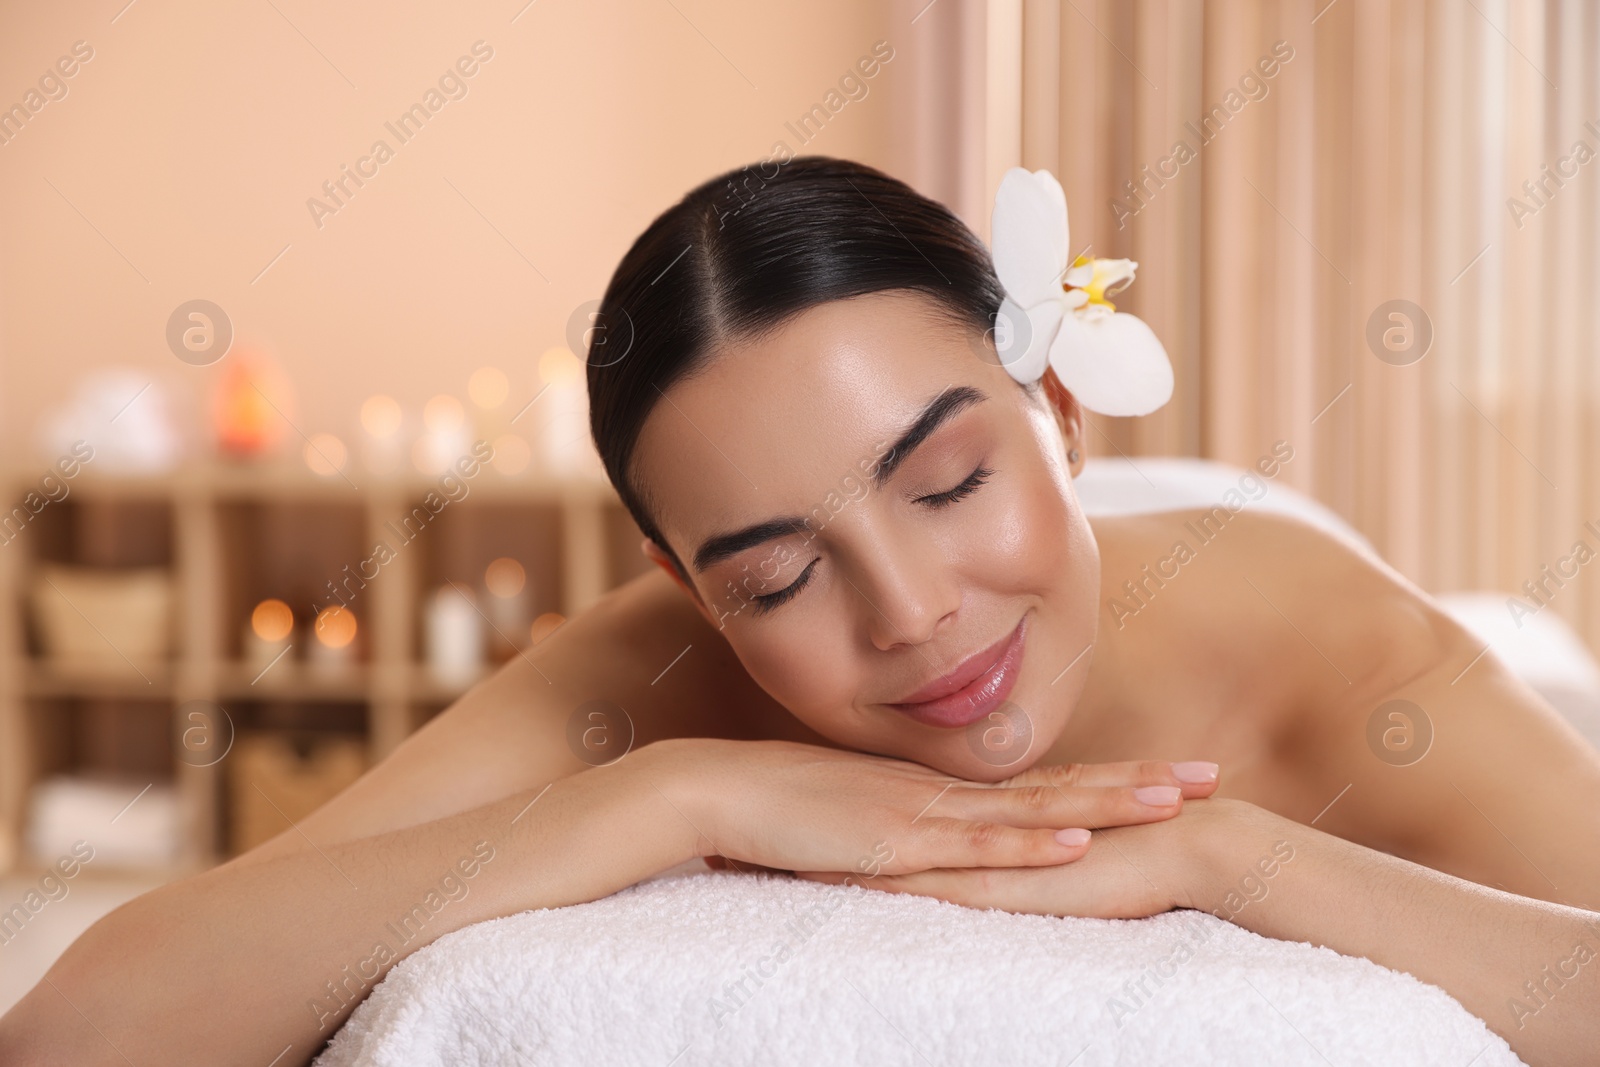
(718, 548)
(941, 409)
(938, 411)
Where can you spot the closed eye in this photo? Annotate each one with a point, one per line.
(767, 601)
(965, 489)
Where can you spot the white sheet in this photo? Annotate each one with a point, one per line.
(1116, 485)
(651, 976)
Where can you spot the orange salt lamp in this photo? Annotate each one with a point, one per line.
(252, 406)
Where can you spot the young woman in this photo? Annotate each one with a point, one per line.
(881, 645)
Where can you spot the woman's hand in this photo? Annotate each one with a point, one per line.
(797, 807)
(1130, 873)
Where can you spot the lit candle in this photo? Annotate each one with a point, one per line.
(455, 635)
(506, 582)
(447, 436)
(266, 638)
(566, 446)
(336, 634)
(381, 418)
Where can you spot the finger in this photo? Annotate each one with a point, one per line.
(946, 842)
(1055, 806)
(1197, 778)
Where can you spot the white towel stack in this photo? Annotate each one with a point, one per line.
(129, 822)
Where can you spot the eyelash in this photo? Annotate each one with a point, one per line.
(767, 601)
(965, 489)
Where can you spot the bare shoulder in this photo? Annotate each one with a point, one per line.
(1307, 620)
(1275, 636)
(1431, 747)
(1359, 623)
(1341, 593)
(1350, 698)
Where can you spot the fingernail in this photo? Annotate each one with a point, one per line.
(1074, 837)
(1195, 771)
(1158, 796)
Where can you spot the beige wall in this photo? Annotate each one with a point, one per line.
(180, 162)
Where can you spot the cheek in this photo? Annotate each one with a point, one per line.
(809, 669)
(1027, 540)
(1059, 545)
(1041, 550)
(1018, 541)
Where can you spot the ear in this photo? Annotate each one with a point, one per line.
(653, 552)
(1069, 417)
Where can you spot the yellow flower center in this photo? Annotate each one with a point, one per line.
(1096, 289)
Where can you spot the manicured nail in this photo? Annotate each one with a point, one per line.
(1074, 837)
(1158, 796)
(1195, 771)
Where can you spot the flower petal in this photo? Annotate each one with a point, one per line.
(1113, 363)
(1022, 338)
(1029, 235)
(1080, 276)
(1108, 272)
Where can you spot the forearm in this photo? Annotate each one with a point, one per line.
(1527, 968)
(235, 964)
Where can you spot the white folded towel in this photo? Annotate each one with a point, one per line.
(731, 968)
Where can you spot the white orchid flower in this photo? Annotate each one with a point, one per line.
(1056, 314)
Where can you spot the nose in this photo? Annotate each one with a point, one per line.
(907, 588)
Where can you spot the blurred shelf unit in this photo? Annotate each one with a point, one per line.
(103, 687)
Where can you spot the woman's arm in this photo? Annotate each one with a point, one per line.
(1528, 968)
(1461, 766)
(262, 961)
(250, 963)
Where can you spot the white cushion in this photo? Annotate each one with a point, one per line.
(1114, 485)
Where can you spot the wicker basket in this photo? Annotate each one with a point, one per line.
(104, 616)
(270, 782)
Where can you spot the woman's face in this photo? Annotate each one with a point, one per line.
(882, 524)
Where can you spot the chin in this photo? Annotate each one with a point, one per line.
(987, 751)
(963, 752)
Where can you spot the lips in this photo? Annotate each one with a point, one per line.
(977, 686)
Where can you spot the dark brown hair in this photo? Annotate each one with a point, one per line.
(743, 252)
